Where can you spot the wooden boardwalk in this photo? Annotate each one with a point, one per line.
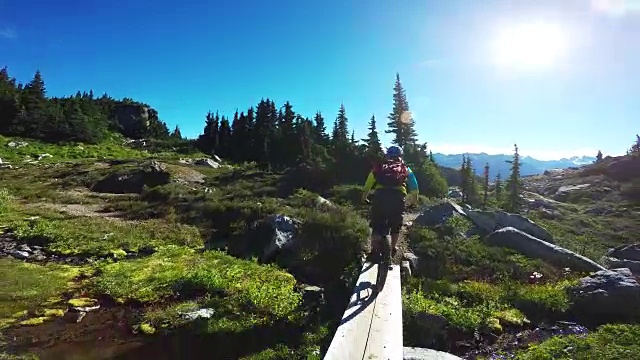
(371, 327)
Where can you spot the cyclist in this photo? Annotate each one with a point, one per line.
(390, 181)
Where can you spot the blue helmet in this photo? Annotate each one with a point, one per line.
(394, 151)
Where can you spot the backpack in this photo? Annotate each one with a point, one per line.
(392, 173)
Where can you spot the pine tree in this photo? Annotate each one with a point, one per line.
(320, 129)
(514, 201)
(464, 180)
(635, 148)
(401, 124)
(372, 142)
(176, 133)
(224, 138)
(34, 101)
(341, 126)
(599, 157)
(485, 186)
(498, 186)
(471, 186)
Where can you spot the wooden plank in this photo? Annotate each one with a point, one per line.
(350, 339)
(385, 335)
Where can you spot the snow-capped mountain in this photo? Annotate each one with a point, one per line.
(499, 164)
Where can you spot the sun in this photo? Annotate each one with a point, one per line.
(532, 45)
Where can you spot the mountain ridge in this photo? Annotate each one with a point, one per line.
(498, 163)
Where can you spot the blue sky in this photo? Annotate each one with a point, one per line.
(572, 87)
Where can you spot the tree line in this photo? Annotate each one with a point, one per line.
(278, 138)
(25, 110)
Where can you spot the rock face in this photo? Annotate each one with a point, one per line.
(624, 256)
(438, 214)
(489, 222)
(624, 168)
(284, 232)
(150, 174)
(607, 296)
(486, 221)
(528, 245)
(131, 118)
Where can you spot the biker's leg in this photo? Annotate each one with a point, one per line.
(395, 222)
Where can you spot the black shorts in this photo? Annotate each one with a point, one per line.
(387, 208)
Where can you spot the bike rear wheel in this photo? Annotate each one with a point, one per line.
(384, 261)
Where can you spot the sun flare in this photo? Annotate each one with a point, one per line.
(534, 45)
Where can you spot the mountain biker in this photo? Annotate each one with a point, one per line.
(390, 181)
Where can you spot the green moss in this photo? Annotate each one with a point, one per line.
(610, 342)
(34, 321)
(83, 302)
(147, 329)
(241, 291)
(50, 313)
(98, 236)
(24, 285)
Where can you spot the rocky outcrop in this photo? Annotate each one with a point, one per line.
(438, 214)
(624, 256)
(607, 296)
(133, 181)
(490, 221)
(486, 222)
(284, 232)
(132, 118)
(624, 168)
(533, 247)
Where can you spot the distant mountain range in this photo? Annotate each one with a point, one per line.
(498, 163)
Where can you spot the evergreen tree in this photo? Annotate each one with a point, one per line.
(176, 133)
(599, 157)
(471, 187)
(341, 128)
(372, 142)
(224, 138)
(320, 129)
(514, 201)
(498, 189)
(485, 186)
(635, 148)
(401, 124)
(35, 102)
(464, 180)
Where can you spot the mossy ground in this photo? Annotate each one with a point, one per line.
(179, 222)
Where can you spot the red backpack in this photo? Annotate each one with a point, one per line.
(391, 173)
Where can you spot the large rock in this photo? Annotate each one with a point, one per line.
(133, 181)
(564, 192)
(284, 235)
(628, 252)
(131, 118)
(438, 214)
(607, 296)
(536, 248)
(490, 221)
(624, 168)
(624, 256)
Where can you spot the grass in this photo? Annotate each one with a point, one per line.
(253, 293)
(609, 342)
(99, 236)
(112, 148)
(25, 286)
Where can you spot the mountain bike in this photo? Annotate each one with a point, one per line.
(381, 255)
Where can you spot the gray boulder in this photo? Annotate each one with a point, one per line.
(438, 214)
(133, 181)
(490, 221)
(533, 247)
(628, 252)
(607, 296)
(208, 162)
(284, 235)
